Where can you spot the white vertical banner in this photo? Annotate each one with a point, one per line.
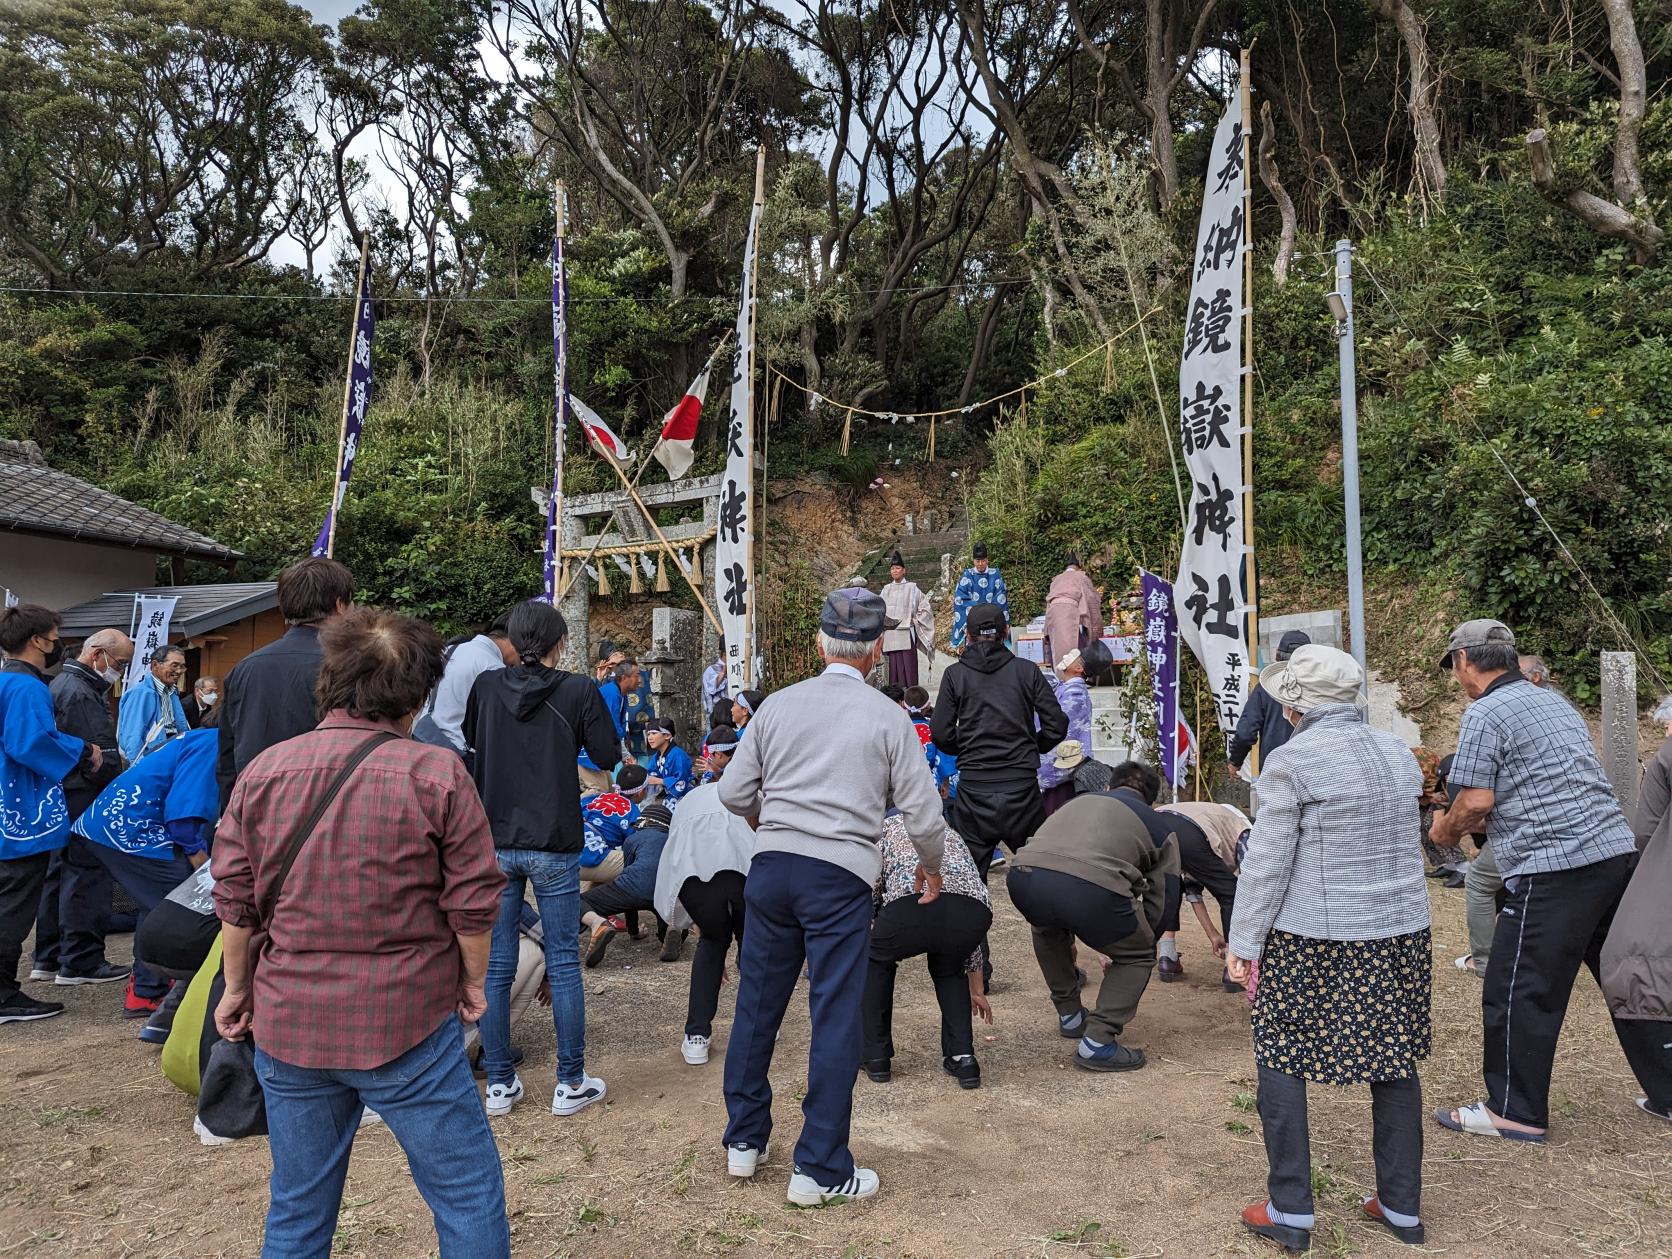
(734, 551)
(1211, 592)
(152, 615)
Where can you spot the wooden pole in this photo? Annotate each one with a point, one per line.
(632, 490)
(561, 403)
(754, 302)
(348, 384)
(1251, 595)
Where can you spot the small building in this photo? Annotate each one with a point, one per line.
(217, 625)
(64, 541)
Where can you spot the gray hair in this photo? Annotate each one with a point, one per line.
(1663, 710)
(1534, 668)
(626, 669)
(845, 652)
(1492, 657)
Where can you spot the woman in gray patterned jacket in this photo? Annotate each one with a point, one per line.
(1331, 902)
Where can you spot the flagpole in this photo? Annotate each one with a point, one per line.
(666, 545)
(348, 385)
(749, 645)
(1252, 593)
(644, 464)
(560, 427)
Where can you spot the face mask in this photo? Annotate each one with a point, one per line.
(56, 654)
(209, 697)
(110, 673)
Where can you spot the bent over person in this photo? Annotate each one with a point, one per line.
(818, 770)
(363, 863)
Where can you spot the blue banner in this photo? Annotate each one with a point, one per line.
(560, 360)
(1161, 638)
(356, 399)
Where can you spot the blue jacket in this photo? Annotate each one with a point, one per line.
(673, 767)
(1263, 720)
(165, 801)
(611, 694)
(608, 818)
(34, 758)
(141, 722)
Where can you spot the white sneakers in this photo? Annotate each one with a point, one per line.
(205, 1137)
(570, 1098)
(807, 1192)
(695, 1049)
(501, 1098)
(741, 1160)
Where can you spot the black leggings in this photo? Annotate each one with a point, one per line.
(946, 930)
(716, 906)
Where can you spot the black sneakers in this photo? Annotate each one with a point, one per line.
(105, 973)
(21, 1009)
(879, 1070)
(965, 1069)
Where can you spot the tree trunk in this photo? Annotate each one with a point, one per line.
(1421, 101)
(1273, 181)
(1603, 216)
(1628, 55)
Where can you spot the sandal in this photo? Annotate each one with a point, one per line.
(1476, 1121)
(602, 934)
(1411, 1235)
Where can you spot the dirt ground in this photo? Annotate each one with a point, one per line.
(97, 1156)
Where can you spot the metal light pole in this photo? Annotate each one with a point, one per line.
(1341, 306)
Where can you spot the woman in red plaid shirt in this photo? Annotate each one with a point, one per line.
(369, 950)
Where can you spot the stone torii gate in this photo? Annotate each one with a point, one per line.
(682, 642)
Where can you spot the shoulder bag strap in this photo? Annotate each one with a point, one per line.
(308, 826)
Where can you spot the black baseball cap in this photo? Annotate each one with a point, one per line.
(986, 623)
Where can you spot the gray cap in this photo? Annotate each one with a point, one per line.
(854, 614)
(1477, 634)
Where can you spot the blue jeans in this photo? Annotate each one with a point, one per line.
(800, 907)
(429, 1100)
(556, 877)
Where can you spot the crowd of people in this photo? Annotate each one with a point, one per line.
(333, 865)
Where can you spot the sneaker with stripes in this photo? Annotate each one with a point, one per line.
(807, 1192)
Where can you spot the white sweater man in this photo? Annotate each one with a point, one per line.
(824, 761)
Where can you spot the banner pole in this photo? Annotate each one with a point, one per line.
(348, 385)
(749, 645)
(560, 426)
(1251, 594)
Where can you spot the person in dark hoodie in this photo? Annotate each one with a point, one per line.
(996, 714)
(523, 728)
(1262, 719)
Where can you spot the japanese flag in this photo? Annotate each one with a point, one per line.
(679, 427)
(603, 439)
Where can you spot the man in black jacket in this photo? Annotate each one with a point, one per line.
(1262, 719)
(996, 713)
(75, 900)
(270, 693)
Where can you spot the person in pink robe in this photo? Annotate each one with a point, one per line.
(1073, 612)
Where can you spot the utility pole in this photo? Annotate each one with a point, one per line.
(1341, 306)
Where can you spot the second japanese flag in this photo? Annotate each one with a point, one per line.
(679, 427)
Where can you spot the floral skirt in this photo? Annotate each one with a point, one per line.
(1344, 1011)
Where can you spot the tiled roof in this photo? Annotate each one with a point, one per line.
(41, 500)
(201, 610)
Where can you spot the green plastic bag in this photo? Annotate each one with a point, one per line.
(186, 1051)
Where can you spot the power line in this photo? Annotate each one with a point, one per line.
(1526, 496)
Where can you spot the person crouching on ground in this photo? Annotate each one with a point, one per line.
(633, 889)
(817, 771)
(1093, 873)
(521, 724)
(1331, 901)
(363, 1008)
(948, 931)
(700, 880)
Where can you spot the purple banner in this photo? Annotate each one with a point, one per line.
(356, 400)
(1161, 639)
(560, 360)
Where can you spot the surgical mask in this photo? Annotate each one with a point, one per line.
(56, 654)
(209, 697)
(110, 673)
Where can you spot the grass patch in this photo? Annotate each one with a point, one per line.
(63, 1116)
(1237, 1128)
(1243, 1101)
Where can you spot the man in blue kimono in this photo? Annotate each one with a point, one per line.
(151, 712)
(981, 583)
(35, 757)
(670, 765)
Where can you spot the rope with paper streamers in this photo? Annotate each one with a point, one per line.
(911, 417)
(693, 570)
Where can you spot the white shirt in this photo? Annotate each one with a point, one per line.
(468, 662)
